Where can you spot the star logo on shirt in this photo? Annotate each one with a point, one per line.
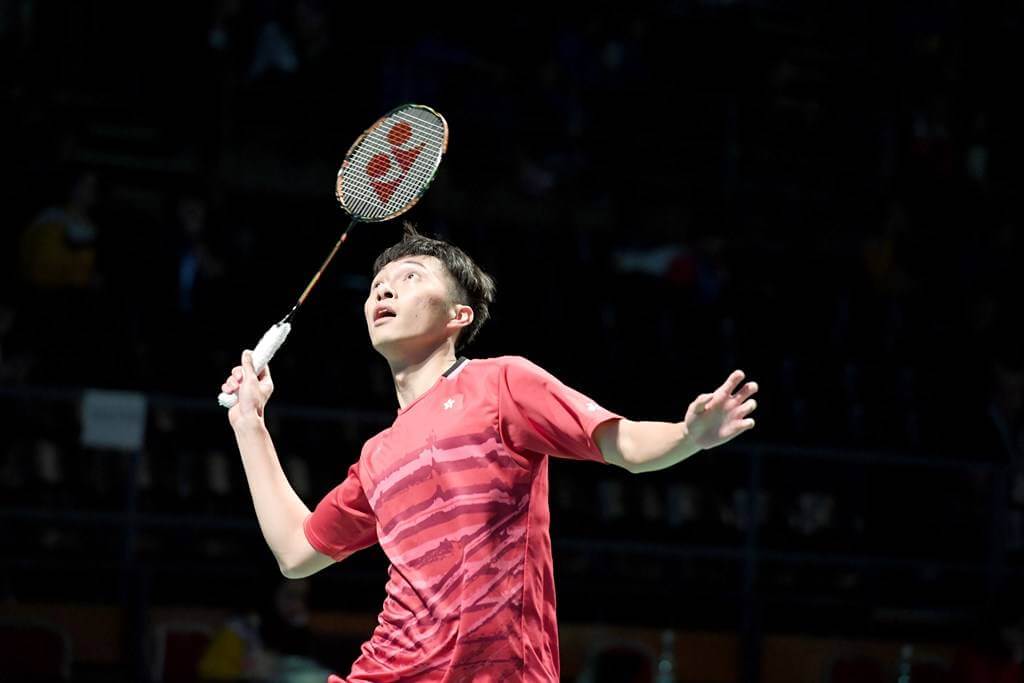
(449, 404)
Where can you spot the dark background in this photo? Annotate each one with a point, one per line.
(826, 195)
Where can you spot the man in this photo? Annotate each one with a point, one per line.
(456, 490)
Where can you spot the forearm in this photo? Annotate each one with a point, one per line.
(279, 509)
(646, 446)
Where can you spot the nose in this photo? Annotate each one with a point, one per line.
(384, 291)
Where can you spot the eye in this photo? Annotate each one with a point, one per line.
(410, 275)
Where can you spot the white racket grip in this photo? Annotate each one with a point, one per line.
(261, 355)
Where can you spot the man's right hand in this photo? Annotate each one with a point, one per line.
(253, 391)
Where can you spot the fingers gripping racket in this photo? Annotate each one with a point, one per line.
(384, 174)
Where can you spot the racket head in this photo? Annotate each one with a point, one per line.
(391, 165)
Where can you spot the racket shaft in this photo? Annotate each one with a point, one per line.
(327, 261)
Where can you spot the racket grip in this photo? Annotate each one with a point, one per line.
(261, 355)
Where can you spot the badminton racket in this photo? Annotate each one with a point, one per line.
(384, 174)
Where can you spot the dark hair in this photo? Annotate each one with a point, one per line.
(472, 286)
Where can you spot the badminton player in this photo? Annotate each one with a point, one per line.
(456, 489)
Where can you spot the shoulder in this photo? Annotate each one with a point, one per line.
(511, 372)
(505, 370)
(505, 364)
(370, 444)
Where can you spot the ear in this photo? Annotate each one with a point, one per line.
(461, 316)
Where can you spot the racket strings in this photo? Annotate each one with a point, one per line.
(363, 201)
(360, 185)
(368, 198)
(431, 135)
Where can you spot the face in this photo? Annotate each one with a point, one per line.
(416, 290)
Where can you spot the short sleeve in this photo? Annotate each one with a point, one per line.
(343, 521)
(537, 412)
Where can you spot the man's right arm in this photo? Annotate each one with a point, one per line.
(279, 509)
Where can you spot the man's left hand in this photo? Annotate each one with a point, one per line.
(715, 418)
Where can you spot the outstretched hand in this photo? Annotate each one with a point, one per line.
(715, 418)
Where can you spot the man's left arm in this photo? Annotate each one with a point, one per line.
(711, 420)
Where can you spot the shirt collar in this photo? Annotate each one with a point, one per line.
(454, 366)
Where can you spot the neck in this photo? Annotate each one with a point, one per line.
(415, 375)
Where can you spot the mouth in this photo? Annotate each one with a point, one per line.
(381, 314)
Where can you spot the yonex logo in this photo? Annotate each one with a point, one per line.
(380, 164)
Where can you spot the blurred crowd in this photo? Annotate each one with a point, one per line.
(662, 196)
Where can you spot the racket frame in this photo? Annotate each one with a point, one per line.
(338, 191)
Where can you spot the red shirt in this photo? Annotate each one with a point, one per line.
(456, 493)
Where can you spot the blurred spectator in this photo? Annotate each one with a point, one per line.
(274, 644)
(290, 44)
(59, 263)
(976, 158)
(931, 144)
(223, 24)
(197, 264)
(275, 51)
(812, 513)
(59, 247)
(312, 31)
(885, 253)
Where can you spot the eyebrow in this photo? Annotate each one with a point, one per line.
(403, 263)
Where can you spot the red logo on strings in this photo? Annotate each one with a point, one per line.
(379, 165)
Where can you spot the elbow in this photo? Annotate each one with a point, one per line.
(294, 572)
(291, 568)
(288, 571)
(630, 465)
(301, 565)
(634, 467)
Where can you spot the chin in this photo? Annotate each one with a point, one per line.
(400, 346)
(384, 344)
